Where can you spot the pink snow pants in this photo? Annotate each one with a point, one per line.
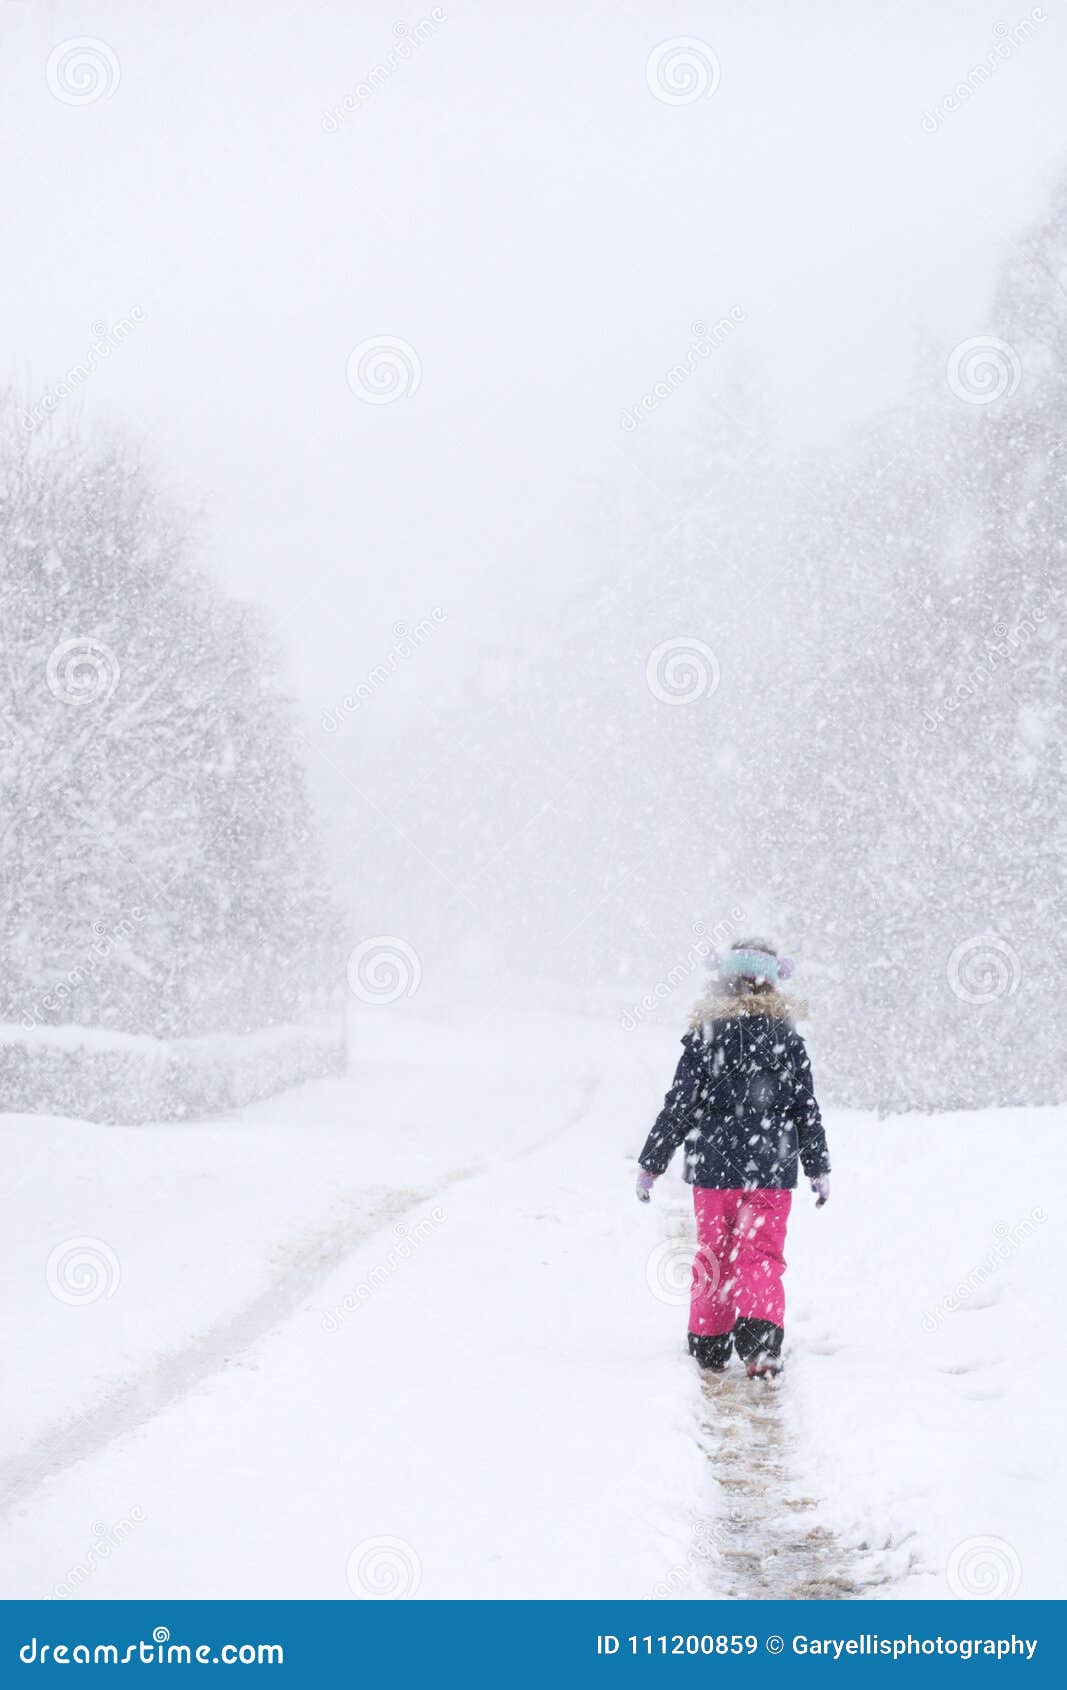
(738, 1268)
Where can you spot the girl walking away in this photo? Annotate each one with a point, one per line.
(742, 1101)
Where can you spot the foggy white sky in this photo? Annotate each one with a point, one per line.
(515, 204)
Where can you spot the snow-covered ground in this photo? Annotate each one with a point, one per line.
(409, 1331)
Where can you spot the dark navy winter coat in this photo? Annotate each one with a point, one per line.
(742, 1101)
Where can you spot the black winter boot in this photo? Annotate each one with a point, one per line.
(711, 1352)
(759, 1346)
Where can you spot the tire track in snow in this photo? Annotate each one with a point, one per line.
(164, 1381)
(131, 1403)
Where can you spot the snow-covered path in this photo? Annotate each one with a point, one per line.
(418, 1315)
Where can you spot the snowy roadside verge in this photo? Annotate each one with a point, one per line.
(496, 1419)
(133, 1080)
(926, 1372)
(128, 1247)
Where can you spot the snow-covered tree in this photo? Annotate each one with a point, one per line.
(159, 866)
(917, 833)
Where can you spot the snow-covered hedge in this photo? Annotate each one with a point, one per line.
(127, 1079)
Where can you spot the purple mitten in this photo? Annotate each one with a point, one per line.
(645, 1182)
(821, 1188)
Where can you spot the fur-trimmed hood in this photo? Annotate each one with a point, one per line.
(717, 1006)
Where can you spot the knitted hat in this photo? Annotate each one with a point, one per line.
(754, 959)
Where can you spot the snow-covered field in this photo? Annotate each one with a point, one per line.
(410, 1332)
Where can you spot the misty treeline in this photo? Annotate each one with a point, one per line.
(160, 872)
(873, 765)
